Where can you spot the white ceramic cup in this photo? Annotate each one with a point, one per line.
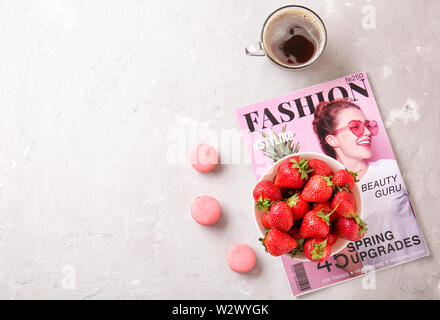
(274, 31)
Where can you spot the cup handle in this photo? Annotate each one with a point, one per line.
(255, 49)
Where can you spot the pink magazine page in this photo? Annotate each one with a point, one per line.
(284, 125)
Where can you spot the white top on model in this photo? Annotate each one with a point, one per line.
(388, 213)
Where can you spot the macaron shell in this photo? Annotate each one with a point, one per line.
(204, 158)
(241, 258)
(205, 210)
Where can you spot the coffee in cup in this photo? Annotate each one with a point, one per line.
(292, 37)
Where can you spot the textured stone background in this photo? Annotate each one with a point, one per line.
(101, 101)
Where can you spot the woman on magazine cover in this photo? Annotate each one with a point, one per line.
(347, 135)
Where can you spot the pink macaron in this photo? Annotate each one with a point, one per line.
(241, 258)
(205, 210)
(204, 158)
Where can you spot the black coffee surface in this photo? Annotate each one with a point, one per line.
(297, 46)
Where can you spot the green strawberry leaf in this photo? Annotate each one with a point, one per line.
(324, 217)
(295, 163)
(354, 174)
(318, 249)
(263, 204)
(362, 225)
(302, 166)
(293, 200)
(344, 188)
(329, 181)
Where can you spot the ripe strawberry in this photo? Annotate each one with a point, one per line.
(278, 242)
(318, 189)
(326, 207)
(316, 224)
(344, 179)
(292, 173)
(265, 192)
(298, 205)
(294, 232)
(345, 202)
(280, 216)
(265, 221)
(319, 167)
(352, 229)
(331, 238)
(317, 250)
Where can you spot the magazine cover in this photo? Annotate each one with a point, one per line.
(338, 123)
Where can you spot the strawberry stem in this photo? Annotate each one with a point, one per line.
(326, 217)
(262, 242)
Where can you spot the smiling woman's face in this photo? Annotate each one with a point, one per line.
(347, 144)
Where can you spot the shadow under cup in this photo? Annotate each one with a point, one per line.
(293, 37)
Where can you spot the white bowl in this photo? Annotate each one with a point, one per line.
(271, 172)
